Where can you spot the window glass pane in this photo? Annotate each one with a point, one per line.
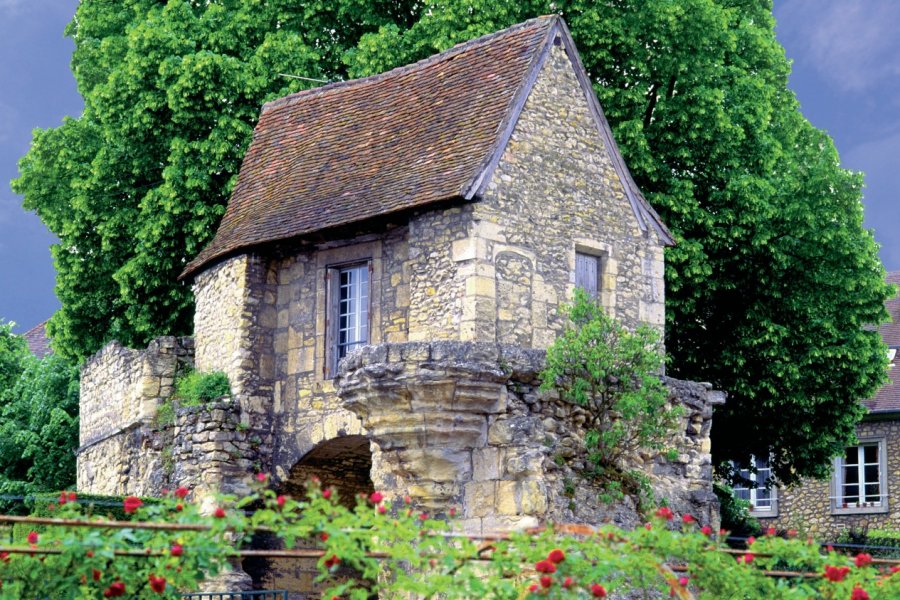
(851, 474)
(852, 456)
(870, 454)
(873, 494)
(871, 473)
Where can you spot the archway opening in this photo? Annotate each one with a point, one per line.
(343, 463)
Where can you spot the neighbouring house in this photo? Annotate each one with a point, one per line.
(37, 340)
(380, 292)
(860, 493)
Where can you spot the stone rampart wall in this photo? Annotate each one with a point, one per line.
(464, 424)
(211, 450)
(121, 389)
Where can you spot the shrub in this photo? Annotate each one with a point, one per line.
(195, 388)
(615, 373)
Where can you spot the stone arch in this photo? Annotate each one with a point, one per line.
(344, 463)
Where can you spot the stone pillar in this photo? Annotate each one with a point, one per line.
(426, 407)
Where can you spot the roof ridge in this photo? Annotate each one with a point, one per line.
(403, 69)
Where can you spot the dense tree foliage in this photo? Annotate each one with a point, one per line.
(38, 420)
(769, 288)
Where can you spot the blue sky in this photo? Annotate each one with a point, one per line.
(846, 57)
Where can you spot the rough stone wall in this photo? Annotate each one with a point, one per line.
(304, 408)
(554, 192)
(234, 324)
(808, 507)
(211, 450)
(121, 389)
(464, 424)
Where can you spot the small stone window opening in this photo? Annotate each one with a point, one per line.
(348, 317)
(860, 477)
(587, 273)
(755, 488)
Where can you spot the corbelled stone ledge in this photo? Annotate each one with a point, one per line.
(465, 424)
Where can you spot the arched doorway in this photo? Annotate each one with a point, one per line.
(343, 463)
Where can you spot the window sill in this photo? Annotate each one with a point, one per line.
(764, 514)
(860, 510)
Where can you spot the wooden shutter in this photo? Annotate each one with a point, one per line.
(587, 268)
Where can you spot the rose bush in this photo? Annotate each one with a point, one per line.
(392, 547)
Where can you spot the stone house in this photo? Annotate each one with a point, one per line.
(859, 495)
(381, 288)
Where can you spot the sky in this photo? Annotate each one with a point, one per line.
(846, 74)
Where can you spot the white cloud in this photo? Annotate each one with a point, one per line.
(854, 44)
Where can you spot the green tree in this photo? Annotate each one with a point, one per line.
(769, 288)
(135, 186)
(39, 427)
(615, 373)
(13, 351)
(774, 278)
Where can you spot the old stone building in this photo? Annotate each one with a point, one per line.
(859, 495)
(427, 223)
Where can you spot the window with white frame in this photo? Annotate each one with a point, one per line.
(349, 314)
(755, 487)
(587, 273)
(860, 478)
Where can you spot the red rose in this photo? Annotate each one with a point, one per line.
(179, 507)
(683, 581)
(862, 559)
(567, 582)
(546, 581)
(323, 536)
(33, 537)
(382, 509)
(131, 504)
(407, 500)
(859, 594)
(332, 561)
(280, 500)
(219, 513)
(598, 591)
(664, 512)
(181, 492)
(706, 530)
(376, 497)
(688, 518)
(157, 584)
(836, 574)
(62, 498)
(423, 516)
(544, 566)
(556, 556)
(261, 477)
(327, 494)
(116, 589)
(73, 496)
(176, 550)
(96, 575)
(533, 588)
(771, 531)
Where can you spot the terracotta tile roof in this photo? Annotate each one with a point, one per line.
(37, 340)
(888, 397)
(411, 137)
